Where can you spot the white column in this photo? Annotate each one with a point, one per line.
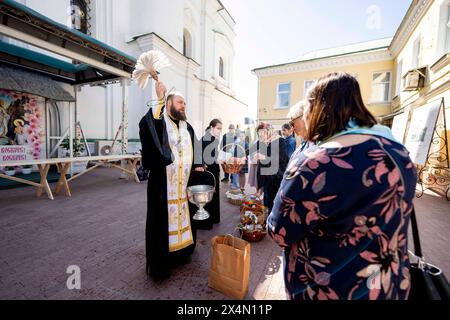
(125, 84)
(70, 136)
(47, 130)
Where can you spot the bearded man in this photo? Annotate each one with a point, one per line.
(168, 144)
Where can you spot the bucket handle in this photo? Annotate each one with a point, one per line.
(214, 178)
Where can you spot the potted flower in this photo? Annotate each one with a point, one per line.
(10, 171)
(26, 169)
(78, 147)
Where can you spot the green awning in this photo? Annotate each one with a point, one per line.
(102, 63)
(35, 14)
(44, 59)
(57, 69)
(20, 80)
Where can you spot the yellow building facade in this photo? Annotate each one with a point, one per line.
(420, 47)
(379, 66)
(423, 42)
(281, 86)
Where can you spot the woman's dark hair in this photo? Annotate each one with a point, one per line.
(334, 100)
(213, 124)
(262, 125)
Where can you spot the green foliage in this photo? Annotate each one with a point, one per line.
(78, 147)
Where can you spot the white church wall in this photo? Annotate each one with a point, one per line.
(137, 26)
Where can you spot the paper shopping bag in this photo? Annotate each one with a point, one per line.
(229, 272)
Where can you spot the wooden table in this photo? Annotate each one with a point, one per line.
(63, 165)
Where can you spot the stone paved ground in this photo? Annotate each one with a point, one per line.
(101, 229)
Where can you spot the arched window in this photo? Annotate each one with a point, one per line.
(187, 44)
(79, 14)
(221, 68)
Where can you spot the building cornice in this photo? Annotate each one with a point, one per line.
(415, 13)
(222, 7)
(441, 63)
(326, 63)
(152, 41)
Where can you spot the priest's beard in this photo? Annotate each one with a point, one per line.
(177, 115)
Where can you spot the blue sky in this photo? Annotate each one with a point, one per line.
(275, 31)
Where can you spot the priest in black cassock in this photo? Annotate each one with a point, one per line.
(168, 144)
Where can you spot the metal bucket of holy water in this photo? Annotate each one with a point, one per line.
(201, 195)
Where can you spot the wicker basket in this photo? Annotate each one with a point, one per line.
(253, 236)
(260, 215)
(253, 204)
(236, 202)
(233, 165)
(232, 168)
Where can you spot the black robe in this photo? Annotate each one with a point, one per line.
(271, 183)
(156, 155)
(210, 146)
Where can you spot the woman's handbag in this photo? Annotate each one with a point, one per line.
(428, 282)
(142, 173)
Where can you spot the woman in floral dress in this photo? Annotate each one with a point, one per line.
(343, 209)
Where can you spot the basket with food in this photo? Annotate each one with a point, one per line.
(252, 204)
(252, 232)
(231, 164)
(235, 197)
(252, 217)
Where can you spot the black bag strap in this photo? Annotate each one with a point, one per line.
(415, 233)
(414, 227)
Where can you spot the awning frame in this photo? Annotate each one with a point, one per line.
(24, 24)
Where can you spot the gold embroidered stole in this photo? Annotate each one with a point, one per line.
(180, 232)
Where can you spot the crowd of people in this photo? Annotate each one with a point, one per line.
(338, 186)
(265, 158)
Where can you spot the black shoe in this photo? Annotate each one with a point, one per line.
(224, 180)
(160, 276)
(186, 260)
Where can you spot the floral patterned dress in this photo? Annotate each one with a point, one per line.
(342, 217)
